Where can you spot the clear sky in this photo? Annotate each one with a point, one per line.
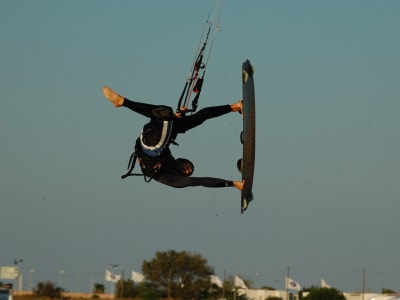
(327, 158)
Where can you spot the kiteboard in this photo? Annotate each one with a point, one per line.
(248, 135)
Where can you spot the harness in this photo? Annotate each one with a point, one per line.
(157, 149)
(149, 165)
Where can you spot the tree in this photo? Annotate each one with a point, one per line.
(48, 289)
(99, 288)
(148, 291)
(125, 289)
(316, 293)
(6, 285)
(178, 274)
(388, 291)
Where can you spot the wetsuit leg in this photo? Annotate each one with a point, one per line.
(180, 181)
(149, 110)
(171, 174)
(188, 122)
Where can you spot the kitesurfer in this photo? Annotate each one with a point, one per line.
(152, 147)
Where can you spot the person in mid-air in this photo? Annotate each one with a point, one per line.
(152, 147)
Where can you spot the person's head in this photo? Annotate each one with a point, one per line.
(184, 166)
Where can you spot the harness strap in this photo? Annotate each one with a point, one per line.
(149, 165)
(131, 166)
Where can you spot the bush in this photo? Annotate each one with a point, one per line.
(48, 289)
(324, 294)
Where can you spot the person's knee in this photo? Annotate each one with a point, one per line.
(184, 166)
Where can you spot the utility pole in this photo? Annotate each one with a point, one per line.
(363, 284)
(113, 268)
(17, 262)
(30, 279)
(287, 284)
(223, 286)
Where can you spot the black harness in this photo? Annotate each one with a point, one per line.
(149, 165)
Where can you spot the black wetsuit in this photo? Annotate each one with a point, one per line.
(169, 172)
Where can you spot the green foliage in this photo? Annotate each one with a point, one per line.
(274, 298)
(6, 285)
(99, 288)
(269, 288)
(388, 291)
(48, 289)
(149, 295)
(316, 293)
(128, 289)
(178, 274)
(148, 290)
(125, 289)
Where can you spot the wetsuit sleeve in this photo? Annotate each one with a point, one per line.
(149, 110)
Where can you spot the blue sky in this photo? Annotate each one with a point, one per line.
(327, 175)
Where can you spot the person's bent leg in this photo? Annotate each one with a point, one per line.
(189, 122)
(206, 113)
(145, 109)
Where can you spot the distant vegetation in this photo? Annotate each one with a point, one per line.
(176, 275)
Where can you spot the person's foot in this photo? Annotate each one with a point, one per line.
(115, 99)
(238, 184)
(237, 106)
